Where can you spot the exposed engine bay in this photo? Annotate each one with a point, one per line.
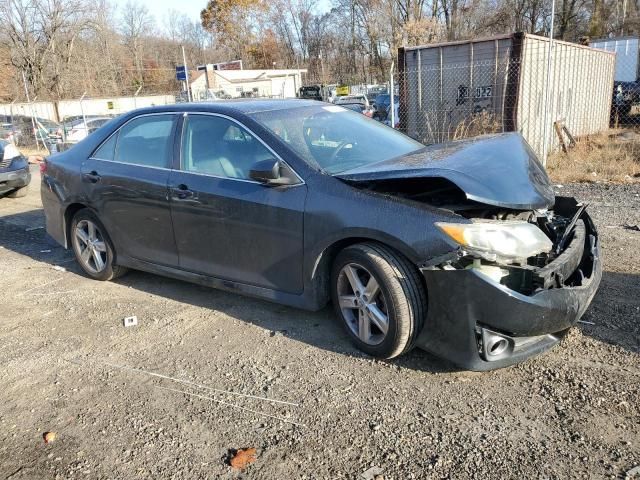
(565, 262)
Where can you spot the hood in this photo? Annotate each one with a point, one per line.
(499, 170)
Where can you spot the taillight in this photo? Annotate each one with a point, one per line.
(43, 167)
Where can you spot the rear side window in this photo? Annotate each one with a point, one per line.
(146, 141)
(108, 149)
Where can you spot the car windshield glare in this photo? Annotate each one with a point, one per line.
(334, 139)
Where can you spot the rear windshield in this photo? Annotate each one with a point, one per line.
(334, 139)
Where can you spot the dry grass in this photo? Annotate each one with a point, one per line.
(32, 151)
(607, 157)
(479, 124)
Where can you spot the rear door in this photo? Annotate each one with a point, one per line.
(126, 180)
(227, 225)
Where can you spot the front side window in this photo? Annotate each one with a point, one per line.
(334, 139)
(146, 141)
(217, 146)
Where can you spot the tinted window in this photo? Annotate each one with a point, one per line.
(146, 141)
(107, 150)
(334, 139)
(217, 146)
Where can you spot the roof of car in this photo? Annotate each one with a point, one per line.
(241, 105)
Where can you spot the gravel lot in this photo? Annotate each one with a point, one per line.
(573, 412)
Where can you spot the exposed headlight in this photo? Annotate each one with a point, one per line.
(506, 241)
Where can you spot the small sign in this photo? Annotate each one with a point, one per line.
(181, 72)
(110, 105)
(342, 90)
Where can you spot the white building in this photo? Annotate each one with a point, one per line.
(237, 83)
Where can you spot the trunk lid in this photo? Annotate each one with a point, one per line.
(499, 170)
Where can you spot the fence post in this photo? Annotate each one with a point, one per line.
(186, 73)
(135, 97)
(547, 94)
(391, 97)
(84, 120)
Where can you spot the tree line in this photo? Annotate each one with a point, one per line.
(61, 49)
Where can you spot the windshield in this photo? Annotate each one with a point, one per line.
(335, 139)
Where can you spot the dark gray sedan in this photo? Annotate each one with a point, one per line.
(461, 249)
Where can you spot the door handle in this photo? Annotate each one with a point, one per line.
(92, 177)
(182, 192)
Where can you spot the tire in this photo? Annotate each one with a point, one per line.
(106, 270)
(401, 297)
(19, 192)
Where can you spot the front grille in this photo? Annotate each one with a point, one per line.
(5, 162)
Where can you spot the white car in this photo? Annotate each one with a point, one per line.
(352, 99)
(80, 130)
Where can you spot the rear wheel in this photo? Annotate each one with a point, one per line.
(379, 297)
(92, 247)
(19, 192)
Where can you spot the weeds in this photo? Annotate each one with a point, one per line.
(607, 157)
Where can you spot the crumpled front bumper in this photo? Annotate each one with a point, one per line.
(467, 308)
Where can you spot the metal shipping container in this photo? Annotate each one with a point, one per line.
(626, 50)
(461, 89)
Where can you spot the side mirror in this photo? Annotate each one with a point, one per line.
(265, 171)
(272, 173)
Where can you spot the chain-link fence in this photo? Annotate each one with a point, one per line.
(552, 94)
(556, 94)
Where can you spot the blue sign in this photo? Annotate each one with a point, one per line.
(181, 72)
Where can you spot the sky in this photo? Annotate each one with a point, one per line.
(160, 8)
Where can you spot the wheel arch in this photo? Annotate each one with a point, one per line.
(69, 212)
(320, 270)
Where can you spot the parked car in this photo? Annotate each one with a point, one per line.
(312, 92)
(80, 129)
(346, 99)
(14, 171)
(461, 249)
(381, 106)
(359, 108)
(396, 116)
(8, 133)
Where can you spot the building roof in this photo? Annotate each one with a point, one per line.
(253, 75)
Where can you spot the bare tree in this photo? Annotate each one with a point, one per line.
(136, 24)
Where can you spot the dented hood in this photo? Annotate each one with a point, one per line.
(499, 170)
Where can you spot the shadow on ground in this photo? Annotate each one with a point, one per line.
(615, 312)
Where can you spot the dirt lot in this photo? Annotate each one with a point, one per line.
(573, 412)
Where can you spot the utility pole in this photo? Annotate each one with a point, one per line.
(186, 72)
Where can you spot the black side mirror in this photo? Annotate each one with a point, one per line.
(273, 173)
(265, 171)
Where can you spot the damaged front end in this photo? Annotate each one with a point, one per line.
(489, 309)
(524, 264)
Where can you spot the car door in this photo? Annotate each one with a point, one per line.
(125, 182)
(227, 225)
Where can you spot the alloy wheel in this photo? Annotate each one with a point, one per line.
(90, 246)
(362, 304)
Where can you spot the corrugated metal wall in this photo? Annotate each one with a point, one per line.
(626, 50)
(462, 89)
(448, 84)
(580, 95)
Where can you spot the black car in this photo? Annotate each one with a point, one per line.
(461, 249)
(14, 171)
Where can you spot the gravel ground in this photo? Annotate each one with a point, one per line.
(573, 412)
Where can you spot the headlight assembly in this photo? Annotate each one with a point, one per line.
(505, 241)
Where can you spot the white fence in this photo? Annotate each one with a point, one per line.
(89, 106)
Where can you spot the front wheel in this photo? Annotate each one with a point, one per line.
(379, 297)
(92, 247)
